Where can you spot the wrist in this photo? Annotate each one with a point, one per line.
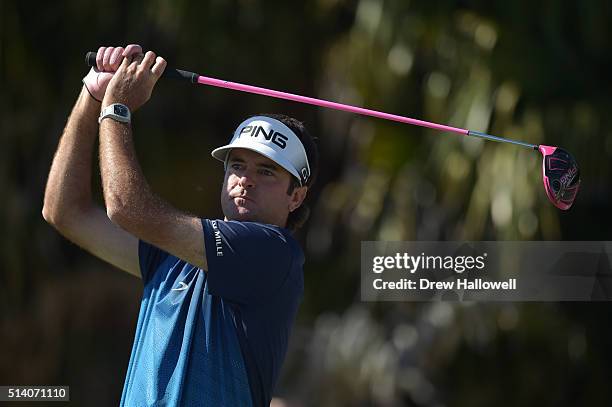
(87, 107)
(111, 99)
(116, 111)
(88, 98)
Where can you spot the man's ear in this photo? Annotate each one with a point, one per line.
(297, 197)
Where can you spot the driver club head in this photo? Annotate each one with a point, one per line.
(560, 175)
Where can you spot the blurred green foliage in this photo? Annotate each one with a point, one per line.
(534, 71)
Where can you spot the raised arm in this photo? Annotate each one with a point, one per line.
(130, 203)
(68, 204)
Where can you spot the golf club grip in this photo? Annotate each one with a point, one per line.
(172, 73)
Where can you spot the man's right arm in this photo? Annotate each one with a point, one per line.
(68, 204)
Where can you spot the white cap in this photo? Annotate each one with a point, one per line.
(273, 139)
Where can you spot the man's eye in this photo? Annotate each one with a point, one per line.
(235, 166)
(266, 172)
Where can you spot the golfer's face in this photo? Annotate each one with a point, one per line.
(255, 189)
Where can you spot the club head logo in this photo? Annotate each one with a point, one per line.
(568, 177)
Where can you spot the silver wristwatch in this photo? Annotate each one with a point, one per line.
(116, 111)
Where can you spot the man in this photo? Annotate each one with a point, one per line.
(220, 296)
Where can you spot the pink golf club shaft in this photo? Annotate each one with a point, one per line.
(192, 77)
(205, 80)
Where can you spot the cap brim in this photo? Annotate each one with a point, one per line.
(221, 154)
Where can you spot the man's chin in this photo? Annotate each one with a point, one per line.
(244, 215)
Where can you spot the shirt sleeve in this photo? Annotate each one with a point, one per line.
(149, 257)
(247, 261)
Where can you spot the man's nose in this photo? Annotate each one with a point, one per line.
(246, 180)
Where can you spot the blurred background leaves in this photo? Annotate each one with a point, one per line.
(532, 71)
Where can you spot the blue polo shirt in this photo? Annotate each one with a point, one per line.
(216, 338)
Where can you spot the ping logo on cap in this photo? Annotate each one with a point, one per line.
(277, 138)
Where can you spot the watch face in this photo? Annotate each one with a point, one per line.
(121, 110)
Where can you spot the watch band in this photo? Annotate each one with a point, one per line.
(116, 111)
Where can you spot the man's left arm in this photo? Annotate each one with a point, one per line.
(130, 203)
